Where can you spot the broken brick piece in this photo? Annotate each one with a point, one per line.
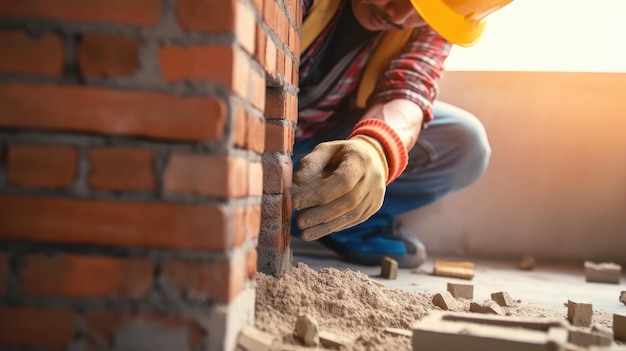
(252, 339)
(489, 307)
(579, 314)
(502, 298)
(333, 341)
(306, 330)
(527, 263)
(606, 272)
(619, 327)
(389, 268)
(622, 297)
(585, 338)
(445, 301)
(461, 291)
(463, 270)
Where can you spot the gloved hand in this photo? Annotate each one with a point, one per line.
(339, 185)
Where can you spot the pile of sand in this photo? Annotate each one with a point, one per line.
(350, 304)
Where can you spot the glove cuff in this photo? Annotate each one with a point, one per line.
(397, 155)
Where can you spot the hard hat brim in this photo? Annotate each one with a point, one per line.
(449, 24)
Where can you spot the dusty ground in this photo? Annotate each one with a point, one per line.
(349, 303)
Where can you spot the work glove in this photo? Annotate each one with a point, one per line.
(339, 185)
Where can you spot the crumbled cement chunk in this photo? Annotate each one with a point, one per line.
(579, 314)
(461, 291)
(606, 272)
(619, 327)
(252, 339)
(399, 332)
(445, 301)
(527, 263)
(489, 307)
(622, 297)
(585, 338)
(333, 341)
(389, 268)
(306, 330)
(502, 298)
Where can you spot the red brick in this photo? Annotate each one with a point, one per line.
(102, 55)
(270, 57)
(270, 14)
(276, 177)
(238, 221)
(96, 110)
(288, 70)
(292, 6)
(245, 26)
(5, 270)
(203, 281)
(206, 175)
(102, 327)
(280, 63)
(42, 166)
(276, 105)
(258, 5)
(253, 222)
(251, 261)
(22, 53)
(202, 15)
(292, 109)
(228, 66)
(45, 329)
(256, 94)
(83, 276)
(114, 223)
(278, 138)
(122, 168)
(259, 45)
(255, 179)
(137, 12)
(256, 134)
(239, 126)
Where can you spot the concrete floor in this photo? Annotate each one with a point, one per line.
(548, 285)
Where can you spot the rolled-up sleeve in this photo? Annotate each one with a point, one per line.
(413, 74)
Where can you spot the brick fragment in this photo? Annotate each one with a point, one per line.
(445, 301)
(488, 307)
(333, 341)
(252, 339)
(586, 338)
(461, 291)
(579, 314)
(307, 330)
(502, 298)
(389, 268)
(619, 327)
(527, 263)
(622, 297)
(463, 270)
(605, 272)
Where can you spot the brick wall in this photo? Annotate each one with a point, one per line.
(140, 165)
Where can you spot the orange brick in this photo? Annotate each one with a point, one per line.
(259, 45)
(277, 177)
(256, 134)
(253, 222)
(239, 126)
(206, 175)
(104, 111)
(22, 53)
(278, 138)
(280, 63)
(238, 221)
(271, 56)
(245, 24)
(83, 276)
(5, 270)
(42, 166)
(202, 281)
(257, 90)
(104, 55)
(102, 327)
(122, 168)
(229, 67)
(270, 14)
(201, 15)
(114, 223)
(276, 104)
(255, 179)
(251, 261)
(137, 12)
(48, 329)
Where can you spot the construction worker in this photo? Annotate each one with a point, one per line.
(371, 141)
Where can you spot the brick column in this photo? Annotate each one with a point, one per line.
(132, 138)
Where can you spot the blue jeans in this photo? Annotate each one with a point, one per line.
(451, 154)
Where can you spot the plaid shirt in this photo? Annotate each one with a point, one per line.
(411, 76)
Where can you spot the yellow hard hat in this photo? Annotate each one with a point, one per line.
(462, 22)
